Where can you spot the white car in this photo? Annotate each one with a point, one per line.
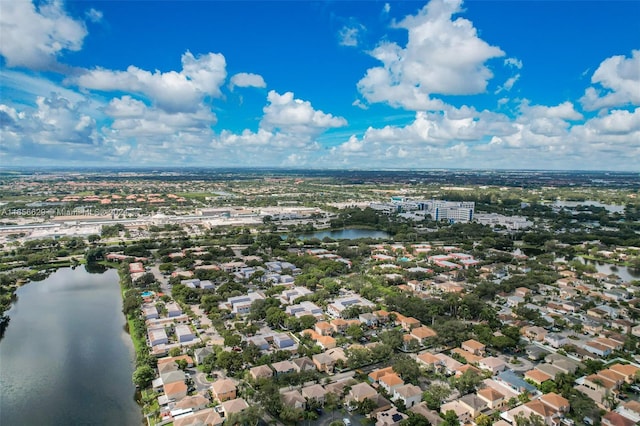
(346, 422)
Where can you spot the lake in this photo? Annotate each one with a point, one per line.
(345, 234)
(611, 208)
(65, 356)
(627, 274)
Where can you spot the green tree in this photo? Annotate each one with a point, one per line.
(467, 382)
(143, 376)
(435, 394)
(483, 420)
(415, 420)
(450, 419)
(406, 367)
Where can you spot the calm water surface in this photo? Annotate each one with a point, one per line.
(346, 234)
(65, 358)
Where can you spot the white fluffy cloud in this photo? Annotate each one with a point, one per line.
(172, 91)
(244, 79)
(34, 37)
(538, 137)
(287, 114)
(287, 124)
(443, 56)
(618, 81)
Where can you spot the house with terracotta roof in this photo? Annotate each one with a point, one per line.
(598, 383)
(175, 390)
(223, 390)
(628, 372)
(536, 376)
(423, 333)
(630, 410)
(494, 399)
(474, 347)
(616, 419)
(323, 328)
(376, 375)
(555, 401)
(466, 367)
(450, 365)
(466, 355)
(326, 342)
(429, 360)
(390, 382)
(409, 323)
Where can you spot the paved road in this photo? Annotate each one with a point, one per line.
(164, 281)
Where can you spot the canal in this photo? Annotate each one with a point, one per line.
(65, 357)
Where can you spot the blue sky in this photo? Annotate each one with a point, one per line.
(361, 84)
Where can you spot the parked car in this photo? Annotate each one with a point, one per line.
(346, 422)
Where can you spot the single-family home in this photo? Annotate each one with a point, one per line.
(360, 392)
(173, 310)
(207, 416)
(175, 390)
(613, 418)
(283, 341)
(223, 390)
(625, 370)
(423, 333)
(283, 367)
(323, 328)
(537, 376)
(314, 392)
(494, 399)
(432, 416)
(390, 417)
(493, 364)
(474, 347)
(474, 404)
(303, 364)
(376, 375)
(294, 398)
(184, 333)
(390, 382)
(556, 402)
(201, 353)
(234, 406)
(368, 319)
(324, 362)
(430, 361)
(260, 372)
(409, 394)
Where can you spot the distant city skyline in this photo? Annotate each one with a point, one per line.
(306, 85)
